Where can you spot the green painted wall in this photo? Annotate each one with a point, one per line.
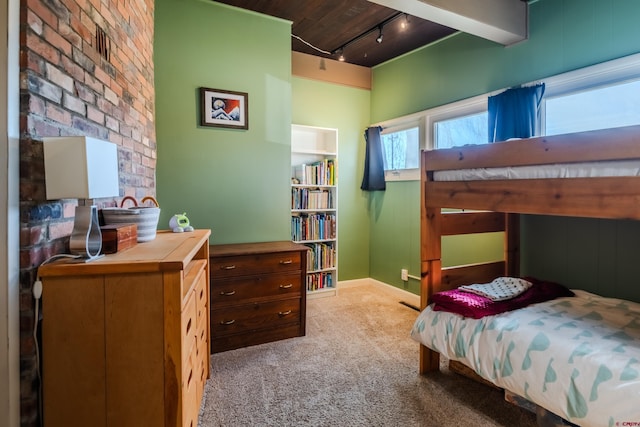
(395, 234)
(395, 238)
(564, 35)
(600, 256)
(235, 182)
(347, 109)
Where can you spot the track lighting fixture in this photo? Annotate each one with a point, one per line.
(405, 23)
(340, 50)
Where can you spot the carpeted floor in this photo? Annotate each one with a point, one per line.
(356, 366)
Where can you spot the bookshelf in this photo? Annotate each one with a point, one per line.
(314, 204)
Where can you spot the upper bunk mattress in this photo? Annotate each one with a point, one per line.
(568, 170)
(578, 357)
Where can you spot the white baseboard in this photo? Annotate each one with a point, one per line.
(405, 296)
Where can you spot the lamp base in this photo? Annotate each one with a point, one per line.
(86, 238)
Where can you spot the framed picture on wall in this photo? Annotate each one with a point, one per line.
(224, 108)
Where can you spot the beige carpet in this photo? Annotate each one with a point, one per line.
(357, 366)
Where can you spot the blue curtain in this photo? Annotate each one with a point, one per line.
(373, 178)
(515, 113)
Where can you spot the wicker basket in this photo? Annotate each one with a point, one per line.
(145, 217)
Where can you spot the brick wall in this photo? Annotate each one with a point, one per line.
(68, 86)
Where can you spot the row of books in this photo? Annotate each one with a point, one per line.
(316, 281)
(309, 198)
(322, 172)
(321, 256)
(316, 226)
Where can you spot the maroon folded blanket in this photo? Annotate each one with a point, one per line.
(475, 306)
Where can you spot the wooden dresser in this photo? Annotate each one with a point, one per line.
(125, 338)
(257, 293)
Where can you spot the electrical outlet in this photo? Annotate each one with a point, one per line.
(404, 274)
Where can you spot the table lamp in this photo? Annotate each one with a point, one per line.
(81, 167)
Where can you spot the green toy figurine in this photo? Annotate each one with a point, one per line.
(180, 223)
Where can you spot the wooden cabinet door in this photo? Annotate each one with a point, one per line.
(134, 349)
(73, 345)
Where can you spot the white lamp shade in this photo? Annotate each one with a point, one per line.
(80, 167)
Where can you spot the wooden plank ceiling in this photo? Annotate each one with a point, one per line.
(349, 28)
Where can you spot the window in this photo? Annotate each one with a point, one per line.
(459, 123)
(600, 96)
(471, 129)
(401, 150)
(401, 143)
(603, 107)
(596, 97)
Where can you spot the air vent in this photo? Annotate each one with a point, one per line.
(103, 44)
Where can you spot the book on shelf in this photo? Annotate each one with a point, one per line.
(321, 256)
(313, 226)
(319, 281)
(318, 173)
(299, 173)
(308, 198)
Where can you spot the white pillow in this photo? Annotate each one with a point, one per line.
(500, 289)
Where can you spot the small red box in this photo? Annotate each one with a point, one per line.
(118, 237)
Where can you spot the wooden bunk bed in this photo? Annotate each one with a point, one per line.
(491, 205)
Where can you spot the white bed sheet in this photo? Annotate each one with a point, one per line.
(568, 170)
(578, 357)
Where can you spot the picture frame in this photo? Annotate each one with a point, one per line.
(224, 108)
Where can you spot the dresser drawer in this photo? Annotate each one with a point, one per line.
(188, 327)
(190, 385)
(201, 300)
(246, 289)
(193, 274)
(201, 372)
(254, 316)
(243, 265)
(200, 358)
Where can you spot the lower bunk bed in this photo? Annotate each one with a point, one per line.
(578, 356)
(575, 354)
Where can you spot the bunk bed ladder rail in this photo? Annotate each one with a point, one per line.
(435, 278)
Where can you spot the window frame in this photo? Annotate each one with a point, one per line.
(613, 71)
(465, 107)
(626, 68)
(407, 122)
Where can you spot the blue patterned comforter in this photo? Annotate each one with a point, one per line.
(578, 357)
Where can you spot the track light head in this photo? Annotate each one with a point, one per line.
(405, 22)
(379, 39)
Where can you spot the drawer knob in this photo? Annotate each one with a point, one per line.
(227, 267)
(284, 313)
(228, 293)
(286, 261)
(228, 322)
(289, 286)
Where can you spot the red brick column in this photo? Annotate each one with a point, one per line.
(70, 86)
